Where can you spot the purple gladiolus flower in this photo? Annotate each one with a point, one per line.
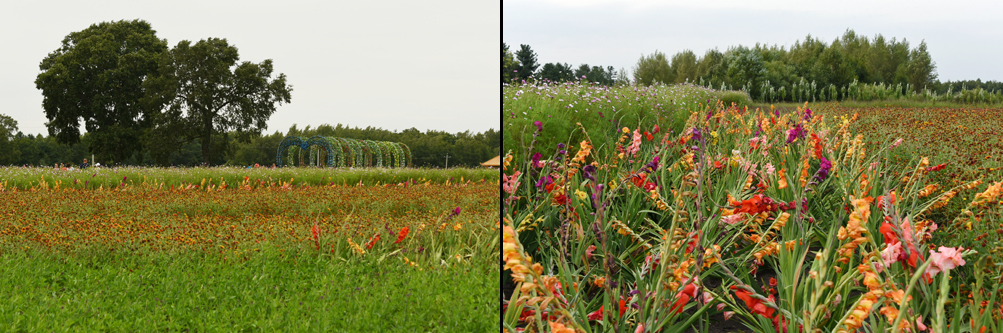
(560, 145)
(696, 134)
(588, 172)
(797, 132)
(536, 160)
(807, 114)
(597, 196)
(823, 170)
(651, 166)
(544, 181)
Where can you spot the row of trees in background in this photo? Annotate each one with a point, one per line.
(522, 66)
(850, 67)
(429, 149)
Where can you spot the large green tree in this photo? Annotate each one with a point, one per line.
(201, 92)
(921, 69)
(527, 61)
(684, 64)
(653, 68)
(97, 76)
(8, 150)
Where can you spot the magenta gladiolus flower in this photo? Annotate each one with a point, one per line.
(536, 160)
(823, 170)
(539, 125)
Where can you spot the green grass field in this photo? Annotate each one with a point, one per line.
(409, 256)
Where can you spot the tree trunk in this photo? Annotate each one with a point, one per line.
(207, 141)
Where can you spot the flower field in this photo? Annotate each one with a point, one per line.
(819, 219)
(251, 254)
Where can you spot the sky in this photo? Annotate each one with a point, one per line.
(430, 65)
(964, 38)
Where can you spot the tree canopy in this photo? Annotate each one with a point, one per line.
(527, 61)
(653, 68)
(97, 76)
(201, 92)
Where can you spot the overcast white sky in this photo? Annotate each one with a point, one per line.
(964, 38)
(388, 64)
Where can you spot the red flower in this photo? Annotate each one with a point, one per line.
(648, 135)
(596, 315)
(650, 186)
(639, 179)
(888, 230)
(881, 200)
(561, 199)
(373, 241)
(401, 235)
(818, 145)
(695, 237)
(683, 297)
(937, 167)
(316, 233)
(549, 187)
(754, 304)
(755, 205)
(718, 165)
(656, 129)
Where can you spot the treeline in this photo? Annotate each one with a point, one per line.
(428, 148)
(851, 67)
(522, 65)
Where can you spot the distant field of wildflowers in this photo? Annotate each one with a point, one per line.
(799, 221)
(161, 250)
(223, 177)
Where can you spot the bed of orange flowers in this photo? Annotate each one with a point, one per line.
(242, 218)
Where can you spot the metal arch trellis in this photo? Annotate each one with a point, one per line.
(344, 152)
(322, 143)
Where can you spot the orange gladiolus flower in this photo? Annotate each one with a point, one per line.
(754, 304)
(683, 297)
(401, 235)
(316, 236)
(372, 242)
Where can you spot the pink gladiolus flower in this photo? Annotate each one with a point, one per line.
(731, 219)
(635, 145)
(891, 253)
(728, 314)
(720, 306)
(510, 183)
(919, 323)
(946, 259)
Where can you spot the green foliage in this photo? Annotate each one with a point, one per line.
(812, 70)
(509, 65)
(738, 98)
(921, 69)
(561, 107)
(652, 69)
(97, 76)
(684, 64)
(8, 151)
(201, 92)
(557, 72)
(527, 62)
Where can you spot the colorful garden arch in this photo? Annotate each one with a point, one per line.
(343, 152)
